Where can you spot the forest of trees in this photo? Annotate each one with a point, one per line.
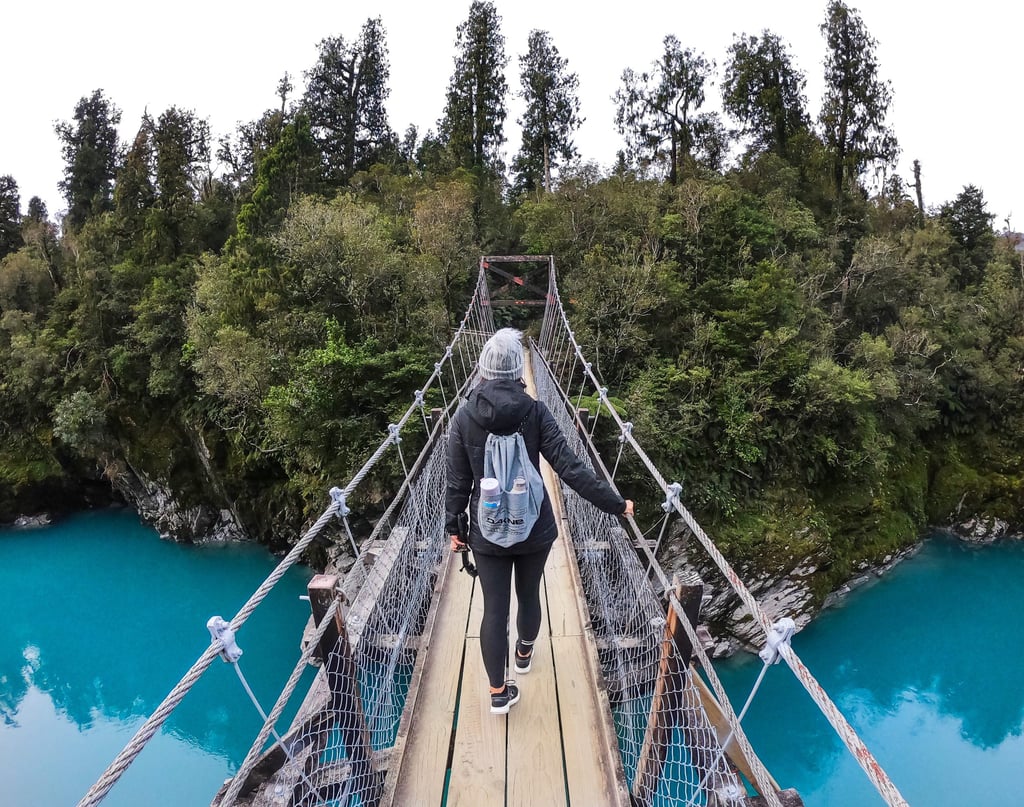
(825, 367)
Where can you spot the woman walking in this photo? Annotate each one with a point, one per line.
(500, 405)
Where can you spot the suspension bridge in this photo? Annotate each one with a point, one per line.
(623, 706)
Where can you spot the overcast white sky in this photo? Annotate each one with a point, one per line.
(955, 70)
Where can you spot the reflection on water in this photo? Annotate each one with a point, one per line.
(925, 664)
(101, 619)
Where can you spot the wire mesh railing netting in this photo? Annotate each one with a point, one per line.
(336, 755)
(669, 749)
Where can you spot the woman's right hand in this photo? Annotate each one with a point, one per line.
(629, 508)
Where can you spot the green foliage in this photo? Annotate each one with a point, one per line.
(27, 461)
(81, 422)
(472, 127)
(91, 152)
(25, 283)
(552, 113)
(657, 112)
(329, 413)
(765, 92)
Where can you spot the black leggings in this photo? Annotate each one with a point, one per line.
(496, 583)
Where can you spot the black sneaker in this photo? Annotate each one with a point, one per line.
(524, 656)
(503, 701)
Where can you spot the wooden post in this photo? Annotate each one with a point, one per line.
(435, 417)
(667, 703)
(345, 705)
(690, 592)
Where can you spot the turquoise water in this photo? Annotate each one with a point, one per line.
(926, 664)
(100, 619)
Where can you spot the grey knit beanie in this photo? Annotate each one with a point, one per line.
(502, 355)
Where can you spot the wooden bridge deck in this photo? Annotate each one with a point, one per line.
(556, 746)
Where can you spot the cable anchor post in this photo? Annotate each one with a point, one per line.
(221, 631)
(782, 631)
(338, 497)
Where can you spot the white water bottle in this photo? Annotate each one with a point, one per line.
(517, 498)
(490, 493)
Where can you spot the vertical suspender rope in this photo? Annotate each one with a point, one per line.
(626, 428)
(602, 400)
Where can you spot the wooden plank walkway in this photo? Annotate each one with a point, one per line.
(556, 746)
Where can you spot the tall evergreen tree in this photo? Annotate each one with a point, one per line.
(472, 126)
(134, 193)
(764, 91)
(345, 95)
(287, 170)
(181, 143)
(181, 174)
(969, 222)
(10, 216)
(91, 154)
(252, 140)
(657, 110)
(856, 100)
(552, 112)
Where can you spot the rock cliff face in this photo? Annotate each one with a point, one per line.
(158, 505)
(179, 493)
(784, 592)
(983, 530)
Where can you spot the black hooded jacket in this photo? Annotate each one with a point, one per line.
(500, 406)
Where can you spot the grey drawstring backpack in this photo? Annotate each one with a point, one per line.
(511, 491)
